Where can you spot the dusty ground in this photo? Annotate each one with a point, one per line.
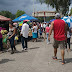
(38, 58)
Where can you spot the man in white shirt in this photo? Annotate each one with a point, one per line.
(24, 33)
(44, 27)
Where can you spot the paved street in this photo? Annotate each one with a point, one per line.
(38, 58)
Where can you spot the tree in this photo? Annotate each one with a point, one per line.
(70, 12)
(7, 14)
(61, 6)
(19, 13)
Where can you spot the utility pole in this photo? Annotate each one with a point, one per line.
(33, 7)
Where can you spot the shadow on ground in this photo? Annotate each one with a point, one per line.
(34, 48)
(67, 60)
(5, 61)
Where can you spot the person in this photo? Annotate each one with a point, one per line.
(1, 44)
(34, 32)
(11, 35)
(44, 27)
(40, 32)
(24, 34)
(37, 29)
(47, 33)
(68, 38)
(60, 35)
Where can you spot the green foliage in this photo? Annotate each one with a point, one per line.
(7, 14)
(70, 12)
(19, 13)
(60, 5)
(47, 19)
(41, 19)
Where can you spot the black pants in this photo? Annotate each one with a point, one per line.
(1, 44)
(68, 41)
(23, 39)
(12, 43)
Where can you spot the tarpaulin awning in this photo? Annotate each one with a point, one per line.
(2, 18)
(23, 17)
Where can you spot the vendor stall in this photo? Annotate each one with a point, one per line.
(4, 23)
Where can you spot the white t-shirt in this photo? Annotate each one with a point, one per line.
(35, 29)
(44, 25)
(68, 34)
(11, 30)
(41, 25)
(25, 30)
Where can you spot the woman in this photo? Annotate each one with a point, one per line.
(47, 33)
(1, 44)
(68, 39)
(34, 32)
(11, 35)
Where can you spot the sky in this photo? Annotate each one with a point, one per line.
(25, 5)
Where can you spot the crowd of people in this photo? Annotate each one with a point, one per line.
(62, 35)
(24, 34)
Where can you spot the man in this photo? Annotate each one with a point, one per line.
(60, 35)
(1, 45)
(44, 27)
(24, 33)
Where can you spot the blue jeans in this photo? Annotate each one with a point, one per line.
(12, 42)
(23, 39)
(1, 44)
(47, 34)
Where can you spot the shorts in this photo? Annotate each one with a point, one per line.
(56, 44)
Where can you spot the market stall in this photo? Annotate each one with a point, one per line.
(4, 23)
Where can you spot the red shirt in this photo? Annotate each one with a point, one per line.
(47, 29)
(59, 30)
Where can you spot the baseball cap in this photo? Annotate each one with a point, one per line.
(57, 15)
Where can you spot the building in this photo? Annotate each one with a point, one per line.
(44, 14)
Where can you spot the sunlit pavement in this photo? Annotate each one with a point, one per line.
(38, 58)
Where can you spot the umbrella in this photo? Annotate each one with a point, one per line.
(14, 23)
(52, 20)
(21, 23)
(26, 20)
(68, 20)
(2, 18)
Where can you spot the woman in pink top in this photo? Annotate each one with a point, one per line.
(47, 33)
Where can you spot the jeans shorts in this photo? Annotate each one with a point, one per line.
(56, 44)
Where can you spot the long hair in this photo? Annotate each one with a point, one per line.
(11, 23)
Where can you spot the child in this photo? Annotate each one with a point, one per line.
(40, 31)
(47, 33)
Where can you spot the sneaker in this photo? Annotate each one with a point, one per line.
(22, 49)
(12, 52)
(25, 48)
(55, 58)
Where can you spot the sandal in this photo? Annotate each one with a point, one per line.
(63, 62)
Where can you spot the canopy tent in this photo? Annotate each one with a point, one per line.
(2, 18)
(23, 17)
